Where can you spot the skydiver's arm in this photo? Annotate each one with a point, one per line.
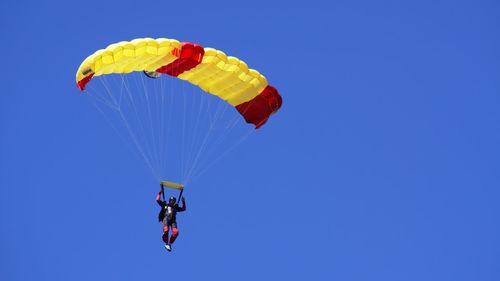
(158, 199)
(183, 205)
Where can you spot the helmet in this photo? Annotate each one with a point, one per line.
(172, 200)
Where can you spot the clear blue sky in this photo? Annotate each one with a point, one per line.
(383, 164)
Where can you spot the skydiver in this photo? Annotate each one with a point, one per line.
(167, 216)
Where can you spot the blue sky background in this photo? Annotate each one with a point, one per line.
(383, 163)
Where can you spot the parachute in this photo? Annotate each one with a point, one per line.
(223, 76)
(138, 93)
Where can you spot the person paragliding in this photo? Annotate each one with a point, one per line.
(168, 215)
(243, 90)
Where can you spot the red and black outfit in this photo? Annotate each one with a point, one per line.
(167, 216)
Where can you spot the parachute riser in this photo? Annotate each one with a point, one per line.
(162, 192)
(180, 196)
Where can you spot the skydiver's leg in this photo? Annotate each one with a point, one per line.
(175, 233)
(165, 234)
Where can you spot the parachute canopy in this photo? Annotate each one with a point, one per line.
(224, 76)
